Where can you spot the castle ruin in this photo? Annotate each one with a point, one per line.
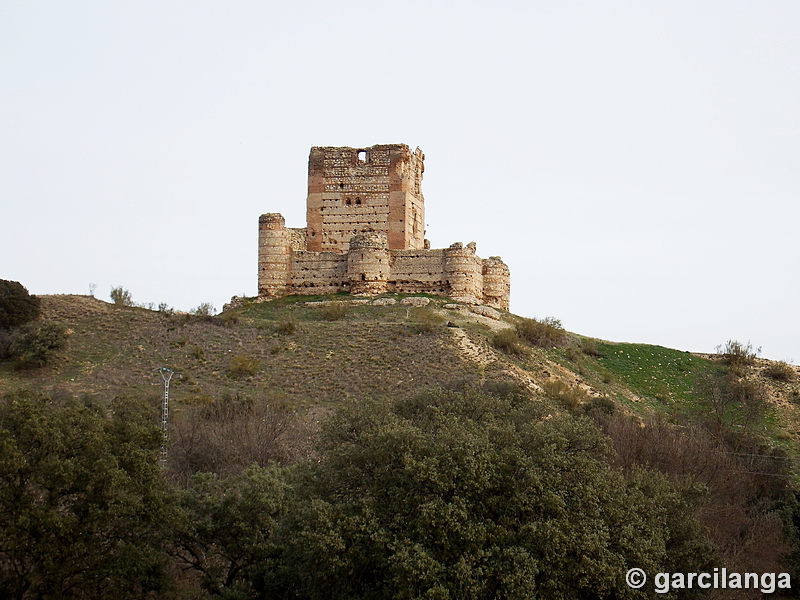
(365, 235)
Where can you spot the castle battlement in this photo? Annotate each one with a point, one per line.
(365, 235)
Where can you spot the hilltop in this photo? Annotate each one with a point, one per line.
(314, 352)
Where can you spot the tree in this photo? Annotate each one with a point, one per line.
(226, 532)
(35, 344)
(465, 494)
(732, 405)
(82, 501)
(17, 306)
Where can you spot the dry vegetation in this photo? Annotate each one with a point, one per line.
(254, 383)
(262, 350)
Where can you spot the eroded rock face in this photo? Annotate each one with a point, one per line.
(415, 301)
(384, 302)
(486, 312)
(365, 235)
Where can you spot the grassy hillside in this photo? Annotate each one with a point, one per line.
(713, 437)
(312, 354)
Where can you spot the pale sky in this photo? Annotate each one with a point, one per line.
(636, 164)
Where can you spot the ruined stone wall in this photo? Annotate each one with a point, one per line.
(297, 238)
(318, 273)
(496, 282)
(274, 256)
(352, 190)
(464, 271)
(418, 271)
(369, 267)
(368, 264)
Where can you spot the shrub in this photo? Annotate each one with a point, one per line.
(17, 306)
(121, 297)
(545, 333)
(205, 309)
(35, 344)
(287, 326)
(180, 342)
(735, 353)
(570, 397)
(780, 371)
(198, 353)
(228, 319)
(242, 366)
(508, 341)
(333, 311)
(225, 435)
(732, 405)
(426, 321)
(589, 348)
(5, 344)
(600, 405)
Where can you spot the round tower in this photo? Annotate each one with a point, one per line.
(368, 264)
(496, 283)
(274, 256)
(464, 272)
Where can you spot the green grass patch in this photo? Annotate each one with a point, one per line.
(654, 372)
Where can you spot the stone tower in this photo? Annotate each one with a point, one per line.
(357, 190)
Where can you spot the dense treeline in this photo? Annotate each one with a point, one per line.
(458, 493)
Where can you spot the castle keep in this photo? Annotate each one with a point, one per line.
(365, 235)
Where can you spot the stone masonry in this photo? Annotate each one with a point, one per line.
(365, 235)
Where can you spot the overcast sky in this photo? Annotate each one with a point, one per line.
(636, 164)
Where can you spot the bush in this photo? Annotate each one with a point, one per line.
(17, 306)
(287, 326)
(732, 405)
(780, 371)
(545, 333)
(226, 435)
(507, 340)
(426, 321)
(121, 297)
(602, 405)
(228, 319)
(242, 366)
(589, 348)
(735, 353)
(570, 397)
(35, 344)
(333, 311)
(205, 309)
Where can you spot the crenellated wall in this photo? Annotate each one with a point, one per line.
(365, 235)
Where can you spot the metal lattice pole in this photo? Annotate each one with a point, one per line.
(166, 375)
